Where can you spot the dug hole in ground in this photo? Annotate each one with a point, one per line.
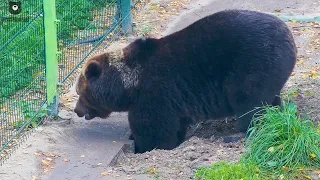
(72, 148)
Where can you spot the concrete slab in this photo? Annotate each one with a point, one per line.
(80, 149)
(90, 147)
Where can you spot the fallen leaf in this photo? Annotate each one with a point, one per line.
(37, 154)
(271, 149)
(45, 162)
(313, 74)
(281, 176)
(308, 177)
(104, 173)
(313, 155)
(152, 170)
(304, 76)
(277, 10)
(66, 160)
(281, 147)
(286, 168)
(34, 178)
(294, 21)
(301, 62)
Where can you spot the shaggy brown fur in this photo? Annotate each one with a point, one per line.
(225, 64)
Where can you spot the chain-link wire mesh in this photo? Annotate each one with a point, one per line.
(88, 32)
(82, 28)
(22, 70)
(84, 24)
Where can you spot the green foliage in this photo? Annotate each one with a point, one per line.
(280, 140)
(229, 171)
(22, 50)
(280, 144)
(77, 15)
(31, 117)
(145, 31)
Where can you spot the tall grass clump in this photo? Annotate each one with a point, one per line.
(280, 145)
(282, 141)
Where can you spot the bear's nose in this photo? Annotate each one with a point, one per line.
(78, 112)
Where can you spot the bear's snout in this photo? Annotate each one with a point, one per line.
(88, 117)
(80, 110)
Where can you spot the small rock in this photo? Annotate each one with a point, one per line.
(190, 148)
(154, 2)
(66, 115)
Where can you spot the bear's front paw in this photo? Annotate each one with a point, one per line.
(234, 138)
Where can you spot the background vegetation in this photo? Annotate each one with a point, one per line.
(22, 39)
(281, 145)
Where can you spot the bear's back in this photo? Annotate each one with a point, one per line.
(240, 41)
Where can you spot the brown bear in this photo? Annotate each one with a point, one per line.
(222, 65)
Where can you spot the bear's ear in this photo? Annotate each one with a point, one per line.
(93, 70)
(146, 44)
(140, 49)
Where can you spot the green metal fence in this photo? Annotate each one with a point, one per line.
(40, 50)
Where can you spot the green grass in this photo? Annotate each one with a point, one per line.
(281, 139)
(280, 144)
(21, 57)
(229, 171)
(31, 117)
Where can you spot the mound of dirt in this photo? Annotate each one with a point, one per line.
(202, 149)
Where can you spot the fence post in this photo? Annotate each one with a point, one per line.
(126, 15)
(50, 31)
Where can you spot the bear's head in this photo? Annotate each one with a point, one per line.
(106, 80)
(100, 87)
